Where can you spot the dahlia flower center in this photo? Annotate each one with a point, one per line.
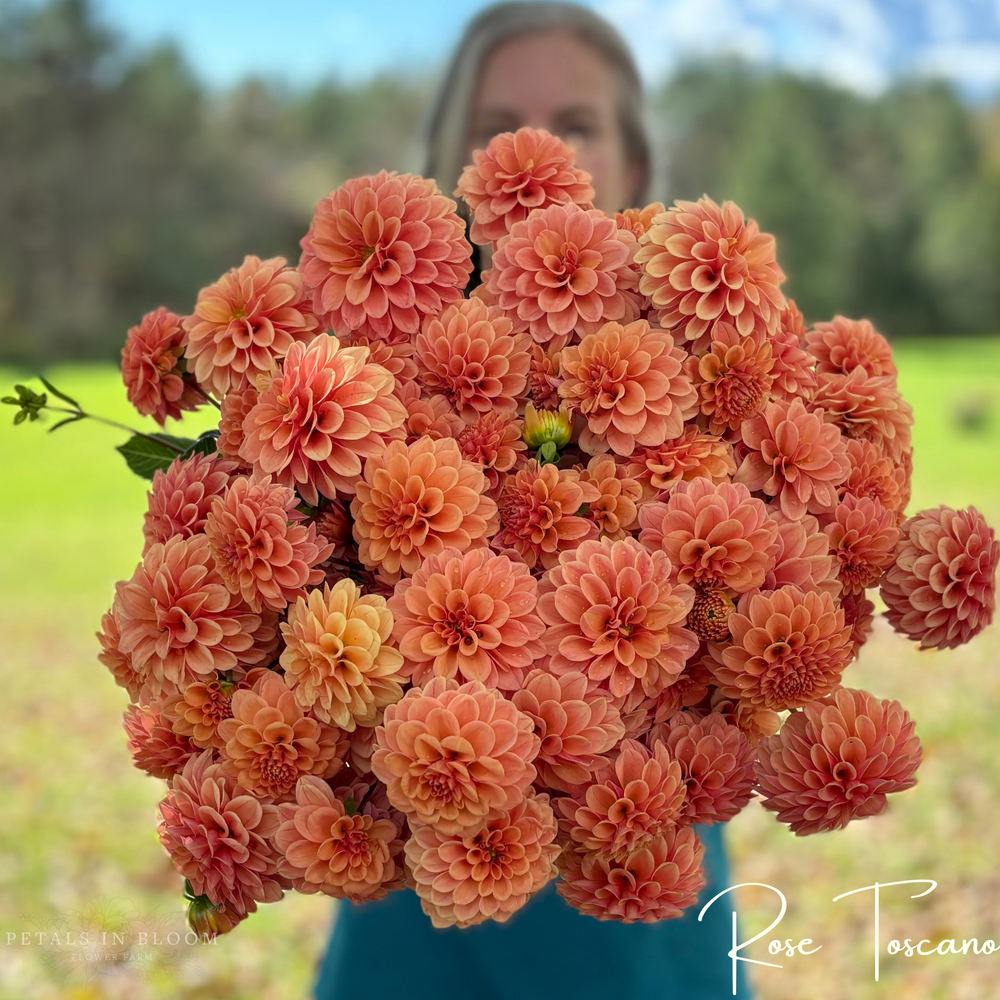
(709, 617)
(167, 362)
(459, 629)
(277, 772)
(743, 394)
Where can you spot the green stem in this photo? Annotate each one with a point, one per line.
(115, 424)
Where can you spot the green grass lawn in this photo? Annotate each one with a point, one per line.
(77, 821)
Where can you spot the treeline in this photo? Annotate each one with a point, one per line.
(124, 183)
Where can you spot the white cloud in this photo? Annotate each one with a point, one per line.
(974, 65)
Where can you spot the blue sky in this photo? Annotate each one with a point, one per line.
(861, 44)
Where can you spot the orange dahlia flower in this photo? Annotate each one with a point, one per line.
(270, 743)
(837, 760)
(691, 455)
(179, 623)
(155, 747)
(844, 344)
(732, 378)
(182, 495)
(236, 404)
(803, 557)
(657, 882)
(338, 660)
(627, 804)
(218, 836)
(793, 373)
(863, 537)
(432, 417)
(382, 252)
(396, 357)
(616, 509)
(469, 355)
(328, 409)
(260, 549)
(941, 591)
(630, 385)
(197, 711)
(873, 474)
(795, 457)
(868, 408)
(791, 321)
(416, 500)
(716, 762)
(330, 846)
(468, 616)
(111, 655)
(563, 269)
(788, 648)
(495, 442)
(454, 756)
(576, 726)
(701, 262)
(859, 614)
(485, 873)
(517, 172)
(245, 323)
(154, 384)
(544, 378)
(613, 613)
(713, 535)
(538, 513)
(638, 220)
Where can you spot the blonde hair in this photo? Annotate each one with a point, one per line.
(449, 121)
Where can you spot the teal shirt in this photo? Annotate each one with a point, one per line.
(546, 951)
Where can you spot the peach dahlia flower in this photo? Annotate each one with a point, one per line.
(713, 535)
(260, 549)
(154, 383)
(197, 711)
(155, 747)
(111, 655)
(613, 613)
(863, 537)
(576, 726)
(218, 837)
(844, 344)
(657, 882)
(692, 455)
(233, 411)
(617, 507)
(453, 756)
(382, 252)
(416, 500)
(793, 373)
(630, 385)
(701, 262)
(469, 355)
(271, 743)
(181, 497)
(327, 410)
(837, 760)
(874, 474)
(488, 872)
(495, 442)
(468, 616)
(803, 557)
(795, 457)
(638, 220)
(941, 591)
(328, 845)
(338, 660)
(179, 623)
(244, 323)
(517, 172)
(788, 648)
(564, 268)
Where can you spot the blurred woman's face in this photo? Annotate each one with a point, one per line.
(554, 81)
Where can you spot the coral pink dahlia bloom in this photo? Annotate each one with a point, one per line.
(563, 269)
(788, 649)
(627, 803)
(155, 747)
(803, 557)
(453, 756)
(495, 442)
(328, 845)
(874, 474)
(941, 591)
(382, 252)
(468, 616)
(863, 537)
(576, 726)
(469, 355)
(233, 411)
(328, 409)
(416, 500)
(260, 549)
(837, 760)
(714, 535)
(701, 262)
(616, 509)
(154, 384)
(691, 455)
(182, 495)
(795, 457)
(245, 323)
(179, 623)
(218, 837)
(486, 873)
(844, 344)
(517, 172)
(638, 220)
(338, 658)
(657, 882)
(613, 613)
(630, 385)
(111, 655)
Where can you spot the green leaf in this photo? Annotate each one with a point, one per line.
(55, 392)
(20, 417)
(349, 807)
(11, 401)
(145, 455)
(205, 445)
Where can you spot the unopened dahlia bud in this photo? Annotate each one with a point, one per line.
(547, 431)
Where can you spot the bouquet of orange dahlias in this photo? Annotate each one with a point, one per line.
(476, 589)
